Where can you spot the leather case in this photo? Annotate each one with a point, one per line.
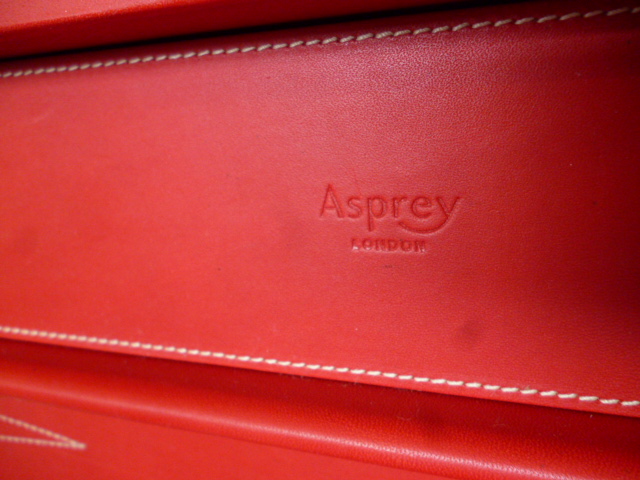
(444, 202)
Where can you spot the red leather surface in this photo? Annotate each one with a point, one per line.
(40, 26)
(181, 208)
(128, 450)
(438, 434)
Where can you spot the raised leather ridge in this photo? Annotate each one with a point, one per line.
(37, 27)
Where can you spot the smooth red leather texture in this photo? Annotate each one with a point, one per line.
(127, 450)
(247, 201)
(40, 26)
(437, 434)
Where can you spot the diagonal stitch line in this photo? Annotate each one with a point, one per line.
(56, 439)
(38, 442)
(297, 365)
(319, 42)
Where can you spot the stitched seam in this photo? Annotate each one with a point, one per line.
(302, 365)
(319, 42)
(294, 44)
(56, 440)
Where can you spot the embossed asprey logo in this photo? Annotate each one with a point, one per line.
(418, 214)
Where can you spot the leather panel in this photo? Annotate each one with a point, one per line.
(116, 448)
(435, 434)
(37, 27)
(445, 202)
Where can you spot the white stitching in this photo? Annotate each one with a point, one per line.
(57, 440)
(261, 48)
(352, 371)
(326, 41)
